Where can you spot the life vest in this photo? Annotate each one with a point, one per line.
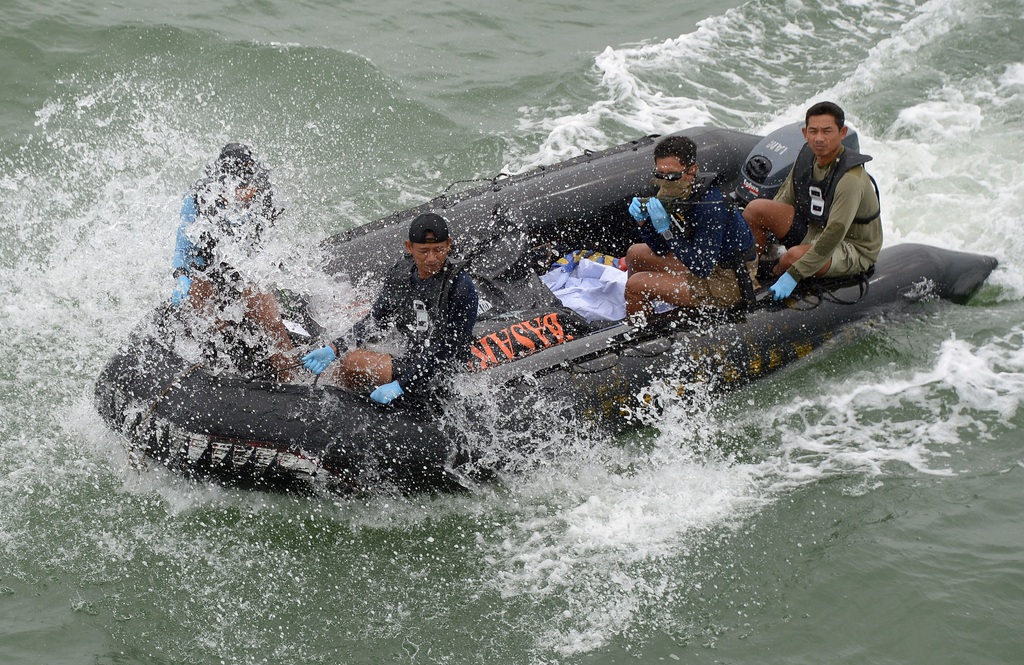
(814, 197)
(419, 310)
(683, 213)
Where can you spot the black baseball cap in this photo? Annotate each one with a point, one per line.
(428, 222)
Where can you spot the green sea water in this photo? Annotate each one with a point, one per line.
(863, 506)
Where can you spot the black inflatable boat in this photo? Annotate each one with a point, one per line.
(304, 437)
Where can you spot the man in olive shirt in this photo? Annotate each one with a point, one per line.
(826, 213)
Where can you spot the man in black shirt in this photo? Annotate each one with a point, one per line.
(431, 301)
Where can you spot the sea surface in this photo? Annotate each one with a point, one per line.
(864, 506)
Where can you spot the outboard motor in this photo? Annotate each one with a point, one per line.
(769, 163)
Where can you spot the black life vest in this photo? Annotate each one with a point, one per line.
(419, 310)
(814, 197)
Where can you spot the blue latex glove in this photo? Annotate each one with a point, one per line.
(659, 216)
(181, 290)
(782, 287)
(318, 360)
(637, 209)
(386, 393)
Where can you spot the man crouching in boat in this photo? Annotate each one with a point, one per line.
(223, 218)
(431, 301)
(697, 251)
(826, 213)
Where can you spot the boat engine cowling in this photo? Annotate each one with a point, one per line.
(768, 164)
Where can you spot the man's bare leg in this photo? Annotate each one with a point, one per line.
(645, 287)
(363, 370)
(765, 216)
(654, 277)
(792, 255)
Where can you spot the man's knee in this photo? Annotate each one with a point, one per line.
(637, 293)
(788, 258)
(759, 211)
(656, 285)
(794, 254)
(753, 211)
(769, 215)
(636, 254)
(635, 284)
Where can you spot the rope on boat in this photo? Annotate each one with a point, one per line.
(492, 181)
(271, 370)
(821, 291)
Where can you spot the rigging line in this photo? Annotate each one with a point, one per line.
(492, 181)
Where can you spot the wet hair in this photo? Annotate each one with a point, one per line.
(681, 147)
(237, 161)
(236, 166)
(826, 108)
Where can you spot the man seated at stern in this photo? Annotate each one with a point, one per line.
(826, 213)
(430, 301)
(696, 250)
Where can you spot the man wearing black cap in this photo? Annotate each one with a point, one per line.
(431, 301)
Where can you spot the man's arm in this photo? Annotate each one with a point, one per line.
(184, 253)
(358, 333)
(700, 252)
(650, 236)
(184, 250)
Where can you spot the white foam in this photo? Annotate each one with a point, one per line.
(897, 56)
(734, 69)
(913, 420)
(600, 545)
(947, 167)
(630, 101)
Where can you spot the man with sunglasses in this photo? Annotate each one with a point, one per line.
(697, 251)
(826, 213)
(430, 301)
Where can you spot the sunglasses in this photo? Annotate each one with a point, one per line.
(671, 177)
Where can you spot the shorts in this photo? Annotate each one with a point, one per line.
(847, 260)
(721, 288)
